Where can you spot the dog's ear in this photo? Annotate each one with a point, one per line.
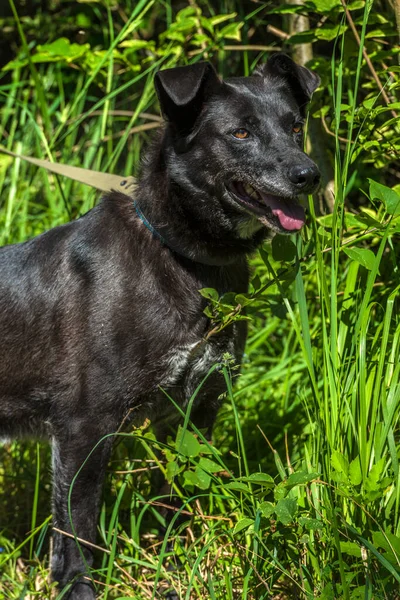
(182, 92)
(301, 80)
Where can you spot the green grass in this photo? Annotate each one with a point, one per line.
(299, 495)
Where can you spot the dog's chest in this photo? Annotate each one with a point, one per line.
(188, 366)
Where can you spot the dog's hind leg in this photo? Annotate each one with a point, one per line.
(79, 463)
(204, 415)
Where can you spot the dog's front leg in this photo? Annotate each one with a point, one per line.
(78, 472)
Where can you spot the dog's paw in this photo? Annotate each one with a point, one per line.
(82, 591)
(172, 595)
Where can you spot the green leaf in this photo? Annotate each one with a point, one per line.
(243, 300)
(256, 282)
(203, 478)
(350, 548)
(389, 197)
(374, 475)
(187, 25)
(266, 508)
(380, 33)
(229, 299)
(210, 294)
(260, 478)
(217, 19)
(328, 593)
(329, 32)
(172, 470)
(285, 510)
(325, 6)
(355, 473)
(199, 39)
(342, 480)
(365, 218)
(82, 20)
(304, 37)
(231, 32)
(192, 478)
(206, 24)
(237, 487)
(197, 478)
(209, 465)
(390, 106)
(326, 221)
(186, 443)
(340, 463)
(389, 542)
(300, 478)
(242, 524)
(178, 36)
(283, 249)
(286, 9)
(281, 491)
(60, 49)
(356, 5)
(136, 44)
(311, 524)
(5, 162)
(364, 256)
(188, 11)
(189, 478)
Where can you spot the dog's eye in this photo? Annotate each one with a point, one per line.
(297, 128)
(241, 134)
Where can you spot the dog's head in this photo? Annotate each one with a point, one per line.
(241, 140)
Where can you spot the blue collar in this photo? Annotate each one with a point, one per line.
(150, 226)
(164, 242)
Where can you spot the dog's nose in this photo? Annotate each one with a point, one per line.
(305, 177)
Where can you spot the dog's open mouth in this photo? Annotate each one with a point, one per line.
(282, 213)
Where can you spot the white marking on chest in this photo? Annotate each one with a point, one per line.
(176, 363)
(193, 361)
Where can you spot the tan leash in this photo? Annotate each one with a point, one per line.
(105, 182)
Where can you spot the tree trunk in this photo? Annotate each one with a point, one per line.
(316, 142)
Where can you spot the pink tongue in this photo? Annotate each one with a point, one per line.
(291, 216)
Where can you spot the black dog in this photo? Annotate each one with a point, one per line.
(97, 315)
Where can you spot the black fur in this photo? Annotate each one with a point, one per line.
(96, 315)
